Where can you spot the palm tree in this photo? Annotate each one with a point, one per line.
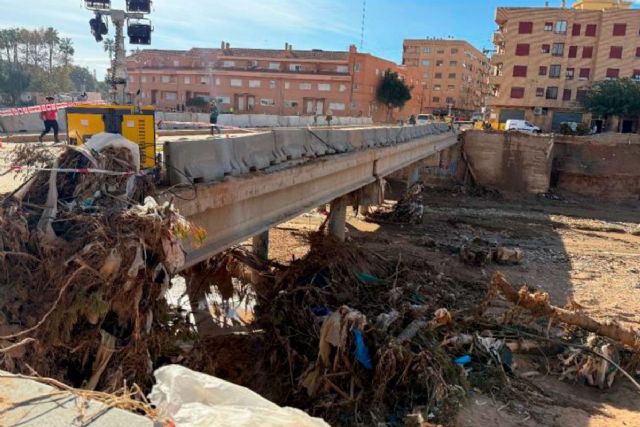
(51, 39)
(66, 51)
(110, 47)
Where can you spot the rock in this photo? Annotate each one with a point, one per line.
(504, 255)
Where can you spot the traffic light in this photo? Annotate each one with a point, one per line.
(98, 4)
(98, 27)
(140, 6)
(139, 31)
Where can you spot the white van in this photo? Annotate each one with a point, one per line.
(423, 119)
(522, 126)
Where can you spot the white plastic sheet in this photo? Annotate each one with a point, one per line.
(194, 399)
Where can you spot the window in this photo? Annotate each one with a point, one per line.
(613, 73)
(272, 84)
(453, 63)
(426, 62)
(440, 51)
(619, 29)
(437, 87)
(542, 71)
(295, 67)
(254, 83)
(573, 51)
(519, 71)
(587, 52)
(229, 64)
(575, 30)
(570, 73)
(435, 99)
(266, 102)
(342, 88)
(584, 73)
(615, 52)
(287, 85)
(204, 80)
(223, 99)
(166, 79)
(305, 86)
(342, 69)
(355, 86)
(451, 87)
(354, 104)
(187, 80)
(557, 49)
(636, 75)
(522, 50)
(324, 87)
(439, 63)
(525, 27)
(566, 95)
(554, 71)
(452, 75)
(235, 83)
(581, 95)
(552, 93)
(540, 91)
(426, 50)
(561, 27)
(291, 104)
(217, 82)
(591, 30)
(274, 65)
(336, 106)
(548, 26)
(143, 79)
(450, 100)
(637, 53)
(517, 92)
(170, 96)
(454, 50)
(437, 76)
(356, 68)
(546, 48)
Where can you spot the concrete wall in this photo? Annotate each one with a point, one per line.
(257, 120)
(509, 161)
(29, 123)
(603, 167)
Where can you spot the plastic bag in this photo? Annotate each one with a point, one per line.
(194, 399)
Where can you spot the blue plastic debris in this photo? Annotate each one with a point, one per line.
(320, 311)
(362, 352)
(367, 278)
(463, 360)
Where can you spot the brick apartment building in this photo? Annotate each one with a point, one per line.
(547, 57)
(267, 81)
(453, 72)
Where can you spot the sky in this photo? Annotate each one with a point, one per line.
(306, 24)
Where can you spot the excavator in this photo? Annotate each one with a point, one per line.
(122, 114)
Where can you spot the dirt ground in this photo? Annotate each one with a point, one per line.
(574, 249)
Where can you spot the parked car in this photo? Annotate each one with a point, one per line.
(522, 126)
(477, 117)
(423, 119)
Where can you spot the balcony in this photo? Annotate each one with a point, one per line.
(498, 38)
(497, 58)
(496, 79)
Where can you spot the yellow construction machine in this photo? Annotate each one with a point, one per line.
(122, 116)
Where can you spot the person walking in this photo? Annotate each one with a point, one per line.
(329, 117)
(50, 119)
(213, 118)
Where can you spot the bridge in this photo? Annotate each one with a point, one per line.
(238, 188)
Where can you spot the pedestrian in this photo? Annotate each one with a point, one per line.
(50, 119)
(213, 118)
(412, 120)
(329, 117)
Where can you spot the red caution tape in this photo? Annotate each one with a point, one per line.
(21, 111)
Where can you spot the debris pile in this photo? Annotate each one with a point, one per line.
(409, 209)
(85, 267)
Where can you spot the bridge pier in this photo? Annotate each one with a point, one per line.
(260, 243)
(338, 218)
(413, 177)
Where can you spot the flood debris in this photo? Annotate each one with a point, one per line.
(409, 209)
(86, 257)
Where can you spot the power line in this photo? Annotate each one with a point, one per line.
(364, 9)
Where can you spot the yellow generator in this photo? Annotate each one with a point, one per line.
(137, 125)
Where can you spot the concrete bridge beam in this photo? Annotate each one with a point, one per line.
(338, 218)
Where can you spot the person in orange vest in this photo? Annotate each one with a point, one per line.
(50, 119)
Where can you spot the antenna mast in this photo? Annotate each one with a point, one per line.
(364, 9)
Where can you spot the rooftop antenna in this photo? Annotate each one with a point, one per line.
(364, 10)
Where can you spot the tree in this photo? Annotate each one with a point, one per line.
(52, 40)
(392, 91)
(82, 79)
(109, 47)
(613, 98)
(14, 80)
(66, 51)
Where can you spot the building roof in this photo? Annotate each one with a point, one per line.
(260, 53)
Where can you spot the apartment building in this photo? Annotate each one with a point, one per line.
(547, 57)
(454, 74)
(265, 81)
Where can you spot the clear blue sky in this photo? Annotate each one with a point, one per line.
(307, 24)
